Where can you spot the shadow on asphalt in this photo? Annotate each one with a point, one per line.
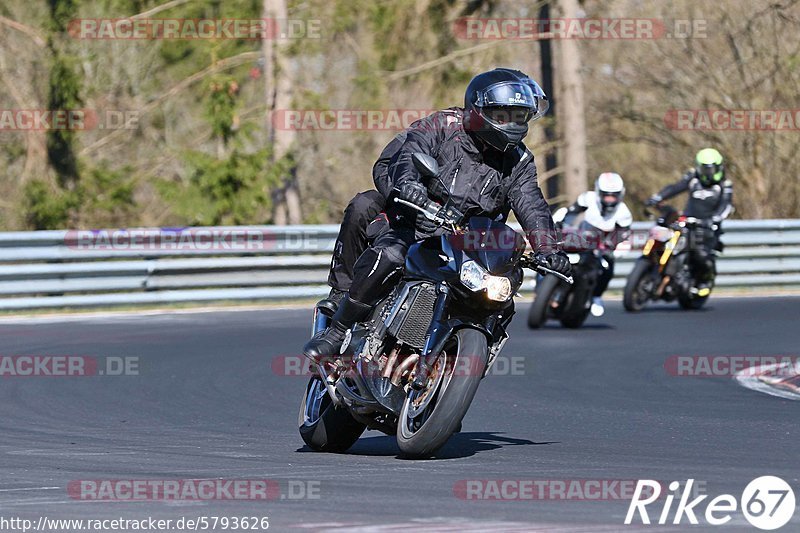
(666, 308)
(460, 445)
(470, 443)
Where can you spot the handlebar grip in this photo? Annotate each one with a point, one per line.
(530, 262)
(559, 275)
(427, 211)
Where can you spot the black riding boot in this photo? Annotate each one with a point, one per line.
(327, 343)
(330, 304)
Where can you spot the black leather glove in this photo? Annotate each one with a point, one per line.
(557, 261)
(416, 193)
(425, 225)
(653, 200)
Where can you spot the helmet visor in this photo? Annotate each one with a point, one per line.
(507, 114)
(526, 95)
(709, 173)
(610, 199)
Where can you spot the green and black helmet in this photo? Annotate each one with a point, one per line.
(709, 167)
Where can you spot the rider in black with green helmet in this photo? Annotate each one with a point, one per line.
(710, 201)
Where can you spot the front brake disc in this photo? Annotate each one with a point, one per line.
(419, 400)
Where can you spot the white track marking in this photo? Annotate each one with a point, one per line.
(749, 378)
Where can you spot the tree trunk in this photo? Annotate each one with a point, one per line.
(278, 94)
(571, 111)
(551, 185)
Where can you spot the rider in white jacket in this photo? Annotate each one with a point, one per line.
(604, 209)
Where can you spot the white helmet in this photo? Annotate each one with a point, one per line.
(610, 190)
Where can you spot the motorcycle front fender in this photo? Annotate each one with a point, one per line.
(440, 335)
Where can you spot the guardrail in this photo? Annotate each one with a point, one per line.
(53, 269)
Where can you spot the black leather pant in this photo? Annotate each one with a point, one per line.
(606, 274)
(703, 242)
(378, 269)
(361, 224)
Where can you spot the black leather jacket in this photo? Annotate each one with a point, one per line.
(477, 183)
(712, 203)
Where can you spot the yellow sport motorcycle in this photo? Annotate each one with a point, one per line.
(663, 272)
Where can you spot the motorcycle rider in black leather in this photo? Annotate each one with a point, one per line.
(710, 201)
(484, 170)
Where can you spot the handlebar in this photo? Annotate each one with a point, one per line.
(428, 211)
(669, 216)
(529, 261)
(437, 214)
(442, 215)
(693, 222)
(661, 208)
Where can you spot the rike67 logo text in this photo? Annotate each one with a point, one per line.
(767, 502)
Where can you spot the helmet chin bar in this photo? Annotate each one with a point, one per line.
(499, 146)
(489, 134)
(607, 209)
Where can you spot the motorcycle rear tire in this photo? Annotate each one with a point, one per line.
(331, 429)
(575, 318)
(691, 302)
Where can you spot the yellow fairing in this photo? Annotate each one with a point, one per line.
(673, 242)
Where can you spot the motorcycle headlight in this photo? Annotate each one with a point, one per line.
(475, 278)
(498, 288)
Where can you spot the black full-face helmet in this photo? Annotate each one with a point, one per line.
(499, 104)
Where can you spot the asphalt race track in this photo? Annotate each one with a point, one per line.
(208, 402)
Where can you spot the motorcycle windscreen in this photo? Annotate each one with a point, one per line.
(492, 244)
(586, 237)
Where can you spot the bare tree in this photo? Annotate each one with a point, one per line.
(278, 87)
(571, 107)
(732, 60)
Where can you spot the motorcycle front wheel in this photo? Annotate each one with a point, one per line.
(577, 312)
(636, 293)
(430, 416)
(538, 313)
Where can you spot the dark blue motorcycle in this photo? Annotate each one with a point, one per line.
(412, 369)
